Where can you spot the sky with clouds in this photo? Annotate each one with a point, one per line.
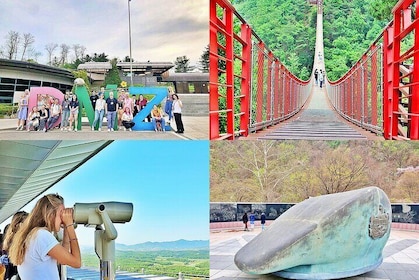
(161, 29)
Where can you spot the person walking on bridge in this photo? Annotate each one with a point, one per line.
(316, 76)
(321, 78)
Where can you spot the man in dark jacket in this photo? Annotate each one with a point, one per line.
(263, 220)
(245, 220)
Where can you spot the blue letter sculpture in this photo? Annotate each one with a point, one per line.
(160, 94)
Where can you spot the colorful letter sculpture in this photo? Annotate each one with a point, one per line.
(325, 237)
(42, 95)
(160, 94)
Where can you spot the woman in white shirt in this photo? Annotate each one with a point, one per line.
(33, 119)
(127, 119)
(177, 112)
(35, 250)
(99, 111)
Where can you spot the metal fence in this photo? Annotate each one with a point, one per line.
(381, 91)
(250, 89)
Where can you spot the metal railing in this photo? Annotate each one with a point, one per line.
(357, 96)
(250, 89)
(381, 91)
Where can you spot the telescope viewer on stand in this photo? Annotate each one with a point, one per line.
(106, 214)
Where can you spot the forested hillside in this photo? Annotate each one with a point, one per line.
(288, 28)
(291, 171)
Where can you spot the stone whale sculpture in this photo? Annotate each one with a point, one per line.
(325, 237)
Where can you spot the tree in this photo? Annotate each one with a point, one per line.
(381, 9)
(79, 52)
(12, 44)
(64, 51)
(28, 40)
(204, 60)
(340, 170)
(50, 48)
(408, 183)
(113, 78)
(100, 57)
(182, 64)
(82, 74)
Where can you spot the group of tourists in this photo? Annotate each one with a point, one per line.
(119, 112)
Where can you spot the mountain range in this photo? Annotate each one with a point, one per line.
(178, 245)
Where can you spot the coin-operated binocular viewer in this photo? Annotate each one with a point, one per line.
(106, 214)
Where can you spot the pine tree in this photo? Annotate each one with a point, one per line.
(182, 64)
(204, 60)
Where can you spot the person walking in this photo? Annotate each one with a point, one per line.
(316, 77)
(245, 219)
(263, 220)
(252, 221)
(321, 78)
(177, 112)
(111, 108)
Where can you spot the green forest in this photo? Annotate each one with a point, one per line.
(291, 171)
(288, 29)
(194, 264)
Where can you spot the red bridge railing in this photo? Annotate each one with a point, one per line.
(250, 89)
(381, 91)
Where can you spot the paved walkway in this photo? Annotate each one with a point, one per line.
(196, 128)
(317, 122)
(401, 256)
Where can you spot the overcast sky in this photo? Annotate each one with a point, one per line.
(161, 29)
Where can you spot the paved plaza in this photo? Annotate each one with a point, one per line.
(196, 128)
(401, 256)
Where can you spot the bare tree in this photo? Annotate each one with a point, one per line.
(65, 49)
(33, 54)
(340, 170)
(50, 48)
(12, 44)
(79, 51)
(28, 40)
(408, 185)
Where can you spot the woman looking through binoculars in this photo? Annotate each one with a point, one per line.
(35, 250)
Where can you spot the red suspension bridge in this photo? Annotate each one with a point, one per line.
(251, 90)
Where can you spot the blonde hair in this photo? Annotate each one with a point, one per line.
(17, 220)
(42, 216)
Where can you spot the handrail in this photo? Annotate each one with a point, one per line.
(255, 90)
(388, 86)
